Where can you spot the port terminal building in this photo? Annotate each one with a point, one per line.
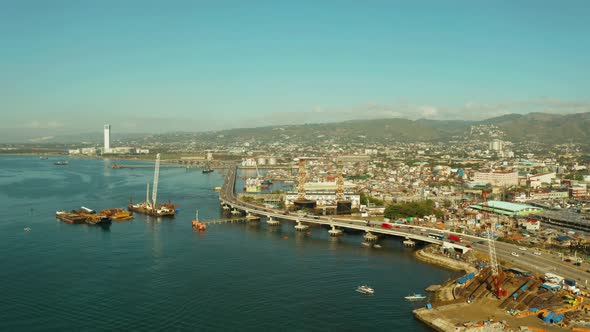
(507, 208)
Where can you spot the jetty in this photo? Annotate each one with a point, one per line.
(146, 166)
(224, 220)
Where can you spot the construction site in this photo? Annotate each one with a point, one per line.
(506, 298)
(322, 201)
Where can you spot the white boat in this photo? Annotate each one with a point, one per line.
(366, 244)
(415, 297)
(376, 245)
(364, 289)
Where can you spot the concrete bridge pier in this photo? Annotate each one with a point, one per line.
(370, 236)
(272, 222)
(301, 227)
(409, 243)
(334, 231)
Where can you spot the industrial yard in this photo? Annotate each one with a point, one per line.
(547, 303)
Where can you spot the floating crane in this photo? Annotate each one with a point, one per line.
(150, 206)
(301, 202)
(301, 179)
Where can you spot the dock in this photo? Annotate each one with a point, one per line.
(115, 166)
(223, 220)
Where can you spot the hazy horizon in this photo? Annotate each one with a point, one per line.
(70, 67)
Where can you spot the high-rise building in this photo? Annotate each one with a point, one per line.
(107, 138)
(496, 145)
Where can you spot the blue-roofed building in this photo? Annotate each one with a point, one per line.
(506, 208)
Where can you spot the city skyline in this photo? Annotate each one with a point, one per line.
(197, 67)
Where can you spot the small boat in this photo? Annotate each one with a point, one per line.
(61, 163)
(364, 289)
(43, 158)
(376, 246)
(197, 225)
(415, 297)
(366, 244)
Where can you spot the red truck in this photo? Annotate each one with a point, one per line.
(386, 225)
(454, 238)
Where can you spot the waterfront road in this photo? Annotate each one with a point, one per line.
(540, 264)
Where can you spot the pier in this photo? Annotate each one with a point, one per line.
(117, 166)
(224, 220)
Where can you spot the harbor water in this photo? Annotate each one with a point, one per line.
(157, 274)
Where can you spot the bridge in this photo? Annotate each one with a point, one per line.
(227, 198)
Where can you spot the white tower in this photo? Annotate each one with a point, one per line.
(107, 138)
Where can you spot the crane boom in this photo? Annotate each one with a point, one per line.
(339, 185)
(492, 249)
(156, 179)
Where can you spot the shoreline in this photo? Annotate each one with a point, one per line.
(444, 262)
(451, 311)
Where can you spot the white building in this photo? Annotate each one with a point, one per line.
(107, 138)
(88, 151)
(497, 178)
(249, 162)
(532, 225)
(535, 181)
(122, 150)
(324, 198)
(496, 145)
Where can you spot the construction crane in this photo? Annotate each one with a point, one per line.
(497, 273)
(156, 179)
(301, 180)
(339, 185)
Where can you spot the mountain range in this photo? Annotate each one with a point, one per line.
(540, 127)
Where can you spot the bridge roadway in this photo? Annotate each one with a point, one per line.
(540, 264)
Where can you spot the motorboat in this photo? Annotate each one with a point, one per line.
(364, 289)
(415, 297)
(366, 244)
(376, 246)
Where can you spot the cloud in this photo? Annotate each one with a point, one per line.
(406, 109)
(428, 111)
(42, 125)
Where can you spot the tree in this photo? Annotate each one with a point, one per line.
(412, 209)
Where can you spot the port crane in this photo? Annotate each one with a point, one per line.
(497, 273)
(339, 185)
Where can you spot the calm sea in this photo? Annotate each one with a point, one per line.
(149, 274)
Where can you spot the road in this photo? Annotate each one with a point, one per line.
(539, 264)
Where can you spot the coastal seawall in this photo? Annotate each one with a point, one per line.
(444, 261)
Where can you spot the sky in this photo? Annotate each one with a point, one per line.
(154, 66)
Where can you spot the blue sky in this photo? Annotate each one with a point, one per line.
(202, 65)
